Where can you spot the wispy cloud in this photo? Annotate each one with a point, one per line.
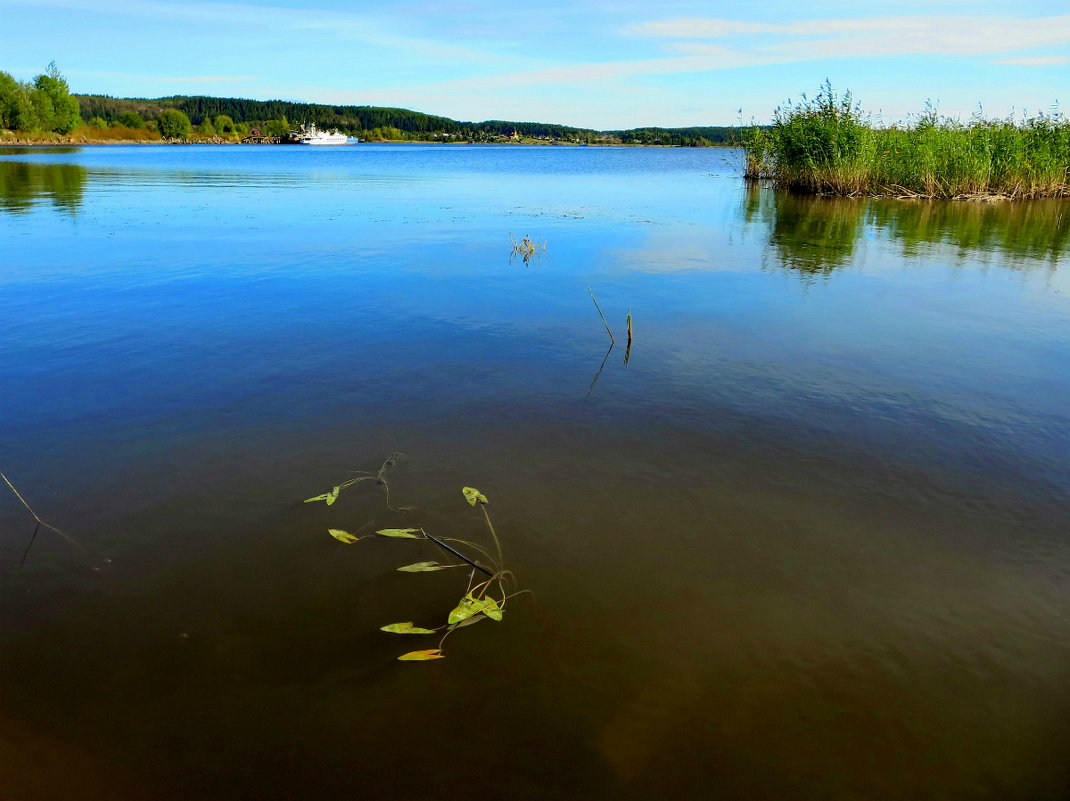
(352, 26)
(1038, 61)
(878, 36)
(822, 39)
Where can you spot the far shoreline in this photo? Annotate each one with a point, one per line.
(18, 142)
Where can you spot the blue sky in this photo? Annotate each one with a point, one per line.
(611, 64)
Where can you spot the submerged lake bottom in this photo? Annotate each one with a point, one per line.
(805, 538)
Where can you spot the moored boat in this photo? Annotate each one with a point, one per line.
(310, 135)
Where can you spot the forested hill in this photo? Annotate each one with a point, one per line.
(373, 122)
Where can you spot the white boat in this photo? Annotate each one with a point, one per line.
(310, 135)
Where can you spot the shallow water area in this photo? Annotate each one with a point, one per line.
(806, 539)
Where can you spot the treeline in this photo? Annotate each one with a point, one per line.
(681, 137)
(259, 113)
(366, 122)
(378, 123)
(44, 104)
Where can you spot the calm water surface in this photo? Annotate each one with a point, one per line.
(808, 542)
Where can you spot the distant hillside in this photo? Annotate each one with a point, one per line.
(373, 122)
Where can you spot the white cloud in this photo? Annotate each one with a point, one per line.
(1038, 61)
(883, 36)
(363, 27)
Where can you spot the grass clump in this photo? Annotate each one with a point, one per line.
(826, 145)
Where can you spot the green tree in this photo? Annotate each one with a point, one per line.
(223, 124)
(16, 109)
(97, 122)
(43, 112)
(276, 127)
(173, 124)
(131, 119)
(60, 113)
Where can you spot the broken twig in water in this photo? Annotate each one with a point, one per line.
(456, 553)
(40, 523)
(598, 375)
(611, 337)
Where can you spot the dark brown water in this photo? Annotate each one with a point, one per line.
(810, 542)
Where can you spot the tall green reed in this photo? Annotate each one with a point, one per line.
(826, 145)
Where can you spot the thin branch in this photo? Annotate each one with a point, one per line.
(30, 545)
(41, 522)
(598, 375)
(611, 337)
(494, 534)
(455, 552)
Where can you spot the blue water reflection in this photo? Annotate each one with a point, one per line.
(826, 495)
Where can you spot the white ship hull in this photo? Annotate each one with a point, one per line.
(326, 139)
(309, 135)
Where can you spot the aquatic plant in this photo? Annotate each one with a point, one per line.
(827, 145)
(526, 247)
(482, 600)
(360, 476)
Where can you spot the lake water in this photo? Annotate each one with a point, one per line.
(807, 541)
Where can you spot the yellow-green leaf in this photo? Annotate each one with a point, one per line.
(405, 628)
(421, 656)
(470, 606)
(468, 621)
(322, 497)
(423, 567)
(474, 496)
(342, 536)
(402, 533)
(464, 610)
(332, 496)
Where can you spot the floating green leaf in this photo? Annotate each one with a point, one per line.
(329, 497)
(464, 610)
(401, 533)
(421, 656)
(405, 628)
(472, 606)
(423, 567)
(474, 496)
(469, 621)
(342, 536)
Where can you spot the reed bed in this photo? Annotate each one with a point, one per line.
(826, 145)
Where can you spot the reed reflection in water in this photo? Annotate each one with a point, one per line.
(815, 235)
